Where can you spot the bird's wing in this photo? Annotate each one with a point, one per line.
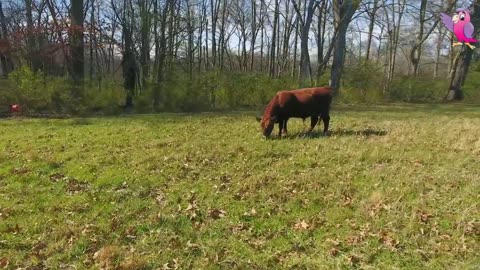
(468, 30)
(447, 20)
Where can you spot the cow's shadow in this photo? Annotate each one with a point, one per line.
(367, 132)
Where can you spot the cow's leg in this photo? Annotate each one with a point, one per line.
(326, 122)
(313, 123)
(285, 126)
(280, 127)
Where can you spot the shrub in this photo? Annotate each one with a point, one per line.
(30, 89)
(471, 89)
(362, 82)
(47, 94)
(409, 89)
(106, 98)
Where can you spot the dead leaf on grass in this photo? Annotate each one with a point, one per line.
(333, 252)
(353, 259)
(5, 212)
(19, 171)
(172, 265)
(114, 223)
(39, 247)
(347, 200)
(56, 177)
(13, 229)
(74, 186)
(250, 213)
(388, 241)
(217, 213)
(4, 262)
(424, 216)
(107, 256)
(302, 225)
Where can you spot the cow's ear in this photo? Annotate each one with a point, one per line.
(274, 119)
(258, 118)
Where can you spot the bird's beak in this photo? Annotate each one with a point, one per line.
(455, 18)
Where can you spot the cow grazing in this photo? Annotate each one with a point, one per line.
(301, 103)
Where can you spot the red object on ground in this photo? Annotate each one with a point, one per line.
(14, 108)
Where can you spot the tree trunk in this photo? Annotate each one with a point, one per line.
(371, 25)
(222, 36)
(416, 51)
(129, 66)
(190, 49)
(460, 71)
(438, 49)
(321, 39)
(77, 43)
(162, 52)
(145, 25)
(92, 29)
(274, 41)
(31, 34)
(394, 36)
(214, 6)
(5, 60)
(262, 22)
(305, 68)
(254, 34)
(295, 48)
(342, 16)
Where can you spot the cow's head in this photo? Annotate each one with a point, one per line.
(267, 124)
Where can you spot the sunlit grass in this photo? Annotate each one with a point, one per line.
(393, 187)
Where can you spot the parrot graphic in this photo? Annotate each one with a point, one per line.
(461, 26)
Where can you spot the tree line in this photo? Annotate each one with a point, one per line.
(154, 46)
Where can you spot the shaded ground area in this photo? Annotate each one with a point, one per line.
(392, 187)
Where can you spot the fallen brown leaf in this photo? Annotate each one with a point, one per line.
(107, 256)
(217, 213)
(4, 262)
(352, 259)
(424, 216)
(56, 177)
(14, 230)
(388, 241)
(302, 225)
(347, 200)
(333, 252)
(171, 265)
(251, 213)
(38, 247)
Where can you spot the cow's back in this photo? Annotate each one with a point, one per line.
(304, 102)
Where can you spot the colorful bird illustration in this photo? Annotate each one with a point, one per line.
(461, 26)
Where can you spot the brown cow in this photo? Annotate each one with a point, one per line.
(301, 103)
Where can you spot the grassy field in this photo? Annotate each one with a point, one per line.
(393, 187)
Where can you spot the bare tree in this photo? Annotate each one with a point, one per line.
(393, 27)
(160, 47)
(31, 36)
(372, 16)
(343, 13)
(305, 22)
(416, 51)
(5, 60)
(145, 29)
(76, 40)
(273, 45)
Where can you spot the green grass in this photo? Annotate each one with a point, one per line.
(393, 187)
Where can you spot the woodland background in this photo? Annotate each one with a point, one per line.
(95, 56)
